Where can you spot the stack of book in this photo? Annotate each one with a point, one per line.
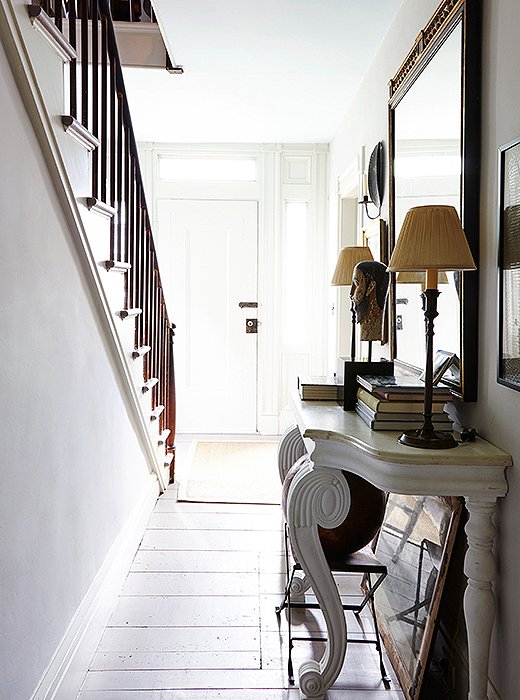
(319, 388)
(397, 403)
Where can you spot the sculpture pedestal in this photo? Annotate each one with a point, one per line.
(351, 369)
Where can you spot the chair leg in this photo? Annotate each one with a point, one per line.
(384, 675)
(289, 623)
(288, 576)
(290, 671)
(286, 603)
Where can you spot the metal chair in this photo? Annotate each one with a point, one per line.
(363, 563)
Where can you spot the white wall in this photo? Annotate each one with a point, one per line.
(497, 412)
(72, 469)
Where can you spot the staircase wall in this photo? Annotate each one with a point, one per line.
(72, 469)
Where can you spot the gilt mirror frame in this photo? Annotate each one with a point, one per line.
(449, 15)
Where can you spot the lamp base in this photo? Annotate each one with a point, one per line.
(428, 439)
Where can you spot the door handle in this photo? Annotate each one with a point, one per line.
(248, 304)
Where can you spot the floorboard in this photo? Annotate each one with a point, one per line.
(195, 619)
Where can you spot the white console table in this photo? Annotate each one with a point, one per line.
(337, 439)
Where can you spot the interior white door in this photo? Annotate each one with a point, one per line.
(208, 262)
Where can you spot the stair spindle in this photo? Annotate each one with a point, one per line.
(84, 14)
(73, 87)
(58, 15)
(104, 109)
(95, 93)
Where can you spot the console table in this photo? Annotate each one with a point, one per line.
(337, 439)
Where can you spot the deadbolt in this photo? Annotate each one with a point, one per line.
(251, 325)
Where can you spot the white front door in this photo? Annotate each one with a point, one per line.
(208, 263)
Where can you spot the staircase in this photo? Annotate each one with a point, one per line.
(69, 75)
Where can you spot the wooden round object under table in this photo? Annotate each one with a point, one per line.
(367, 510)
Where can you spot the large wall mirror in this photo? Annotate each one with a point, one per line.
(434, 159)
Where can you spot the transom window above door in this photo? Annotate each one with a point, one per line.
(208, 169)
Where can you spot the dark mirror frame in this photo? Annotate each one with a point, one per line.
(447, 17)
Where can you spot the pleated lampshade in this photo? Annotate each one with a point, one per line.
(431, 238)
(348, 258)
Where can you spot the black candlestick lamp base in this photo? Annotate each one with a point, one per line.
(428, 439)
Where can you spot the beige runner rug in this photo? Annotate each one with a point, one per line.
(233, 472)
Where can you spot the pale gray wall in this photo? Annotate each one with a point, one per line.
(71, 468)
(497, 413)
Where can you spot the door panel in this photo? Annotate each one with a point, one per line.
(208, 261)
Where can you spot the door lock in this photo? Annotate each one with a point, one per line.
(251, 325)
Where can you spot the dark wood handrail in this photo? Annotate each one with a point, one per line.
(97, 98)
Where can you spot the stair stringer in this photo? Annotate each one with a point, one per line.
(114, 283)
(68, 169)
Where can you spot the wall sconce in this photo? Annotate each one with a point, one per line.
(372, 182)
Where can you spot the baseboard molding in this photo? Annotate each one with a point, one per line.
(65, 674)
(268, 424)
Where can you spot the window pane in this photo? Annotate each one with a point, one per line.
(208, 169)
(295, 273)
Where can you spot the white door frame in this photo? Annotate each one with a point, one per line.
(285, 173)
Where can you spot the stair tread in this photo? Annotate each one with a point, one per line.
(48, 29)
(100, 207)
(149, 384)
(130, 313)
(163, 436)
(156, 412)
(141, 351)
(117, 266)
(79, 132)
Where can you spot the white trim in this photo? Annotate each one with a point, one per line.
(49, 31)
(270, 191)
(348, 182)
(268, 425)
(65, 674)
(82, 135)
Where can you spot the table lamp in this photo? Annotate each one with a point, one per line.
(415, 277)
(431, 239)
(348, 258)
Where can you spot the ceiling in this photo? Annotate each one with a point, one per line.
(257, 72)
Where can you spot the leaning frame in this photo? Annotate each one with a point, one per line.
(411, 679)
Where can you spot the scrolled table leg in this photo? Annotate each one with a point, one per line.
(479, 601)
(311, 680)
(290, 449)
(299, 586)
(319, 496)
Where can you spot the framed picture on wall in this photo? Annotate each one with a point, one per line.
(509, 265)
(375, 236)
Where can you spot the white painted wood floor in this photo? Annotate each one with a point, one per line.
(195, 619)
